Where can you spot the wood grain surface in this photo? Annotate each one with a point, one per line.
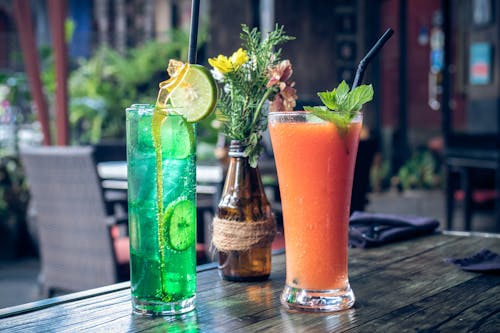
(402, 287)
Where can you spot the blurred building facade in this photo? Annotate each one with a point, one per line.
(332, 37)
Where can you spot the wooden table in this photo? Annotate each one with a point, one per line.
(403, 287)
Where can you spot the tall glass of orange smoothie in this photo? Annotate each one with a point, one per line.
(315, 162)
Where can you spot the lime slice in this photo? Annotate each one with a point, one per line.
(177, 138)
(195, 96)
(181, 224)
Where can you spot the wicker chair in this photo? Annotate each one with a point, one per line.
(80, 245)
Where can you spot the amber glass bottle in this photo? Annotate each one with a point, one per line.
(244, 205)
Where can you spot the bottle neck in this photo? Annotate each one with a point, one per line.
(236, 149)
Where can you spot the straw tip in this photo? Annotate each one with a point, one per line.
(388, 33)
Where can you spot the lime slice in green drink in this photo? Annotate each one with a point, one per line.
(177, 138)
(196, 95)
(181, 217)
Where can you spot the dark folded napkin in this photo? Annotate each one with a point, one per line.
(483, 261)
(375, 229)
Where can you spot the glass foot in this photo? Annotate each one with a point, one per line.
(317, 300)
(156, 308)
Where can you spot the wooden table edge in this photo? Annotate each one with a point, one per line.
(470, 234)
(50, 302)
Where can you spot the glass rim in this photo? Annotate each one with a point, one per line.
(300, 112)
(149, 108)
(274, 114)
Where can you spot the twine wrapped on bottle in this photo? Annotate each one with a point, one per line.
(231, 235)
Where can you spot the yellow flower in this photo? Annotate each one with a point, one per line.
(239, 58)
(221, 63)
(226, 65)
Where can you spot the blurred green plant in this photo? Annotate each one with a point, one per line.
(104, 85)
(14, 197)
(13, 189)
(419, 172)
(379, 174)
(15, 108)
(14, 92)
(101, 87)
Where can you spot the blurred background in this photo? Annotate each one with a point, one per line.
(430, 144)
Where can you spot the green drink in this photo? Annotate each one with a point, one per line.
(161, 158)
(162, 211)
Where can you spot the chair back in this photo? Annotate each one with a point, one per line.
(74, 236)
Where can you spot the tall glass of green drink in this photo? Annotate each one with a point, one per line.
(161, 156)
(162, 212)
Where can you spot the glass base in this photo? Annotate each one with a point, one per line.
(317, 300)
(155, 308)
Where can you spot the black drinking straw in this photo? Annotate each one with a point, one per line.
(369, 56)
(193, 33)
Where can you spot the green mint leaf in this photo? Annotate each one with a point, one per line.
(315, 108)
(342, 92)
(324, 114)
(359, 96)
(329, 99)
(341, 120)
(341, 105)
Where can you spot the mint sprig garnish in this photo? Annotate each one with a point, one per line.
(342, 105)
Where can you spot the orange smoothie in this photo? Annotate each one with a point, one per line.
(315, 164)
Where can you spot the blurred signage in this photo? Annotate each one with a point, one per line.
(437, 60)
(480, 63)
(482, 12)
(437, 44)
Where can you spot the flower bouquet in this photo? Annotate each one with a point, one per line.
(254, 80)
